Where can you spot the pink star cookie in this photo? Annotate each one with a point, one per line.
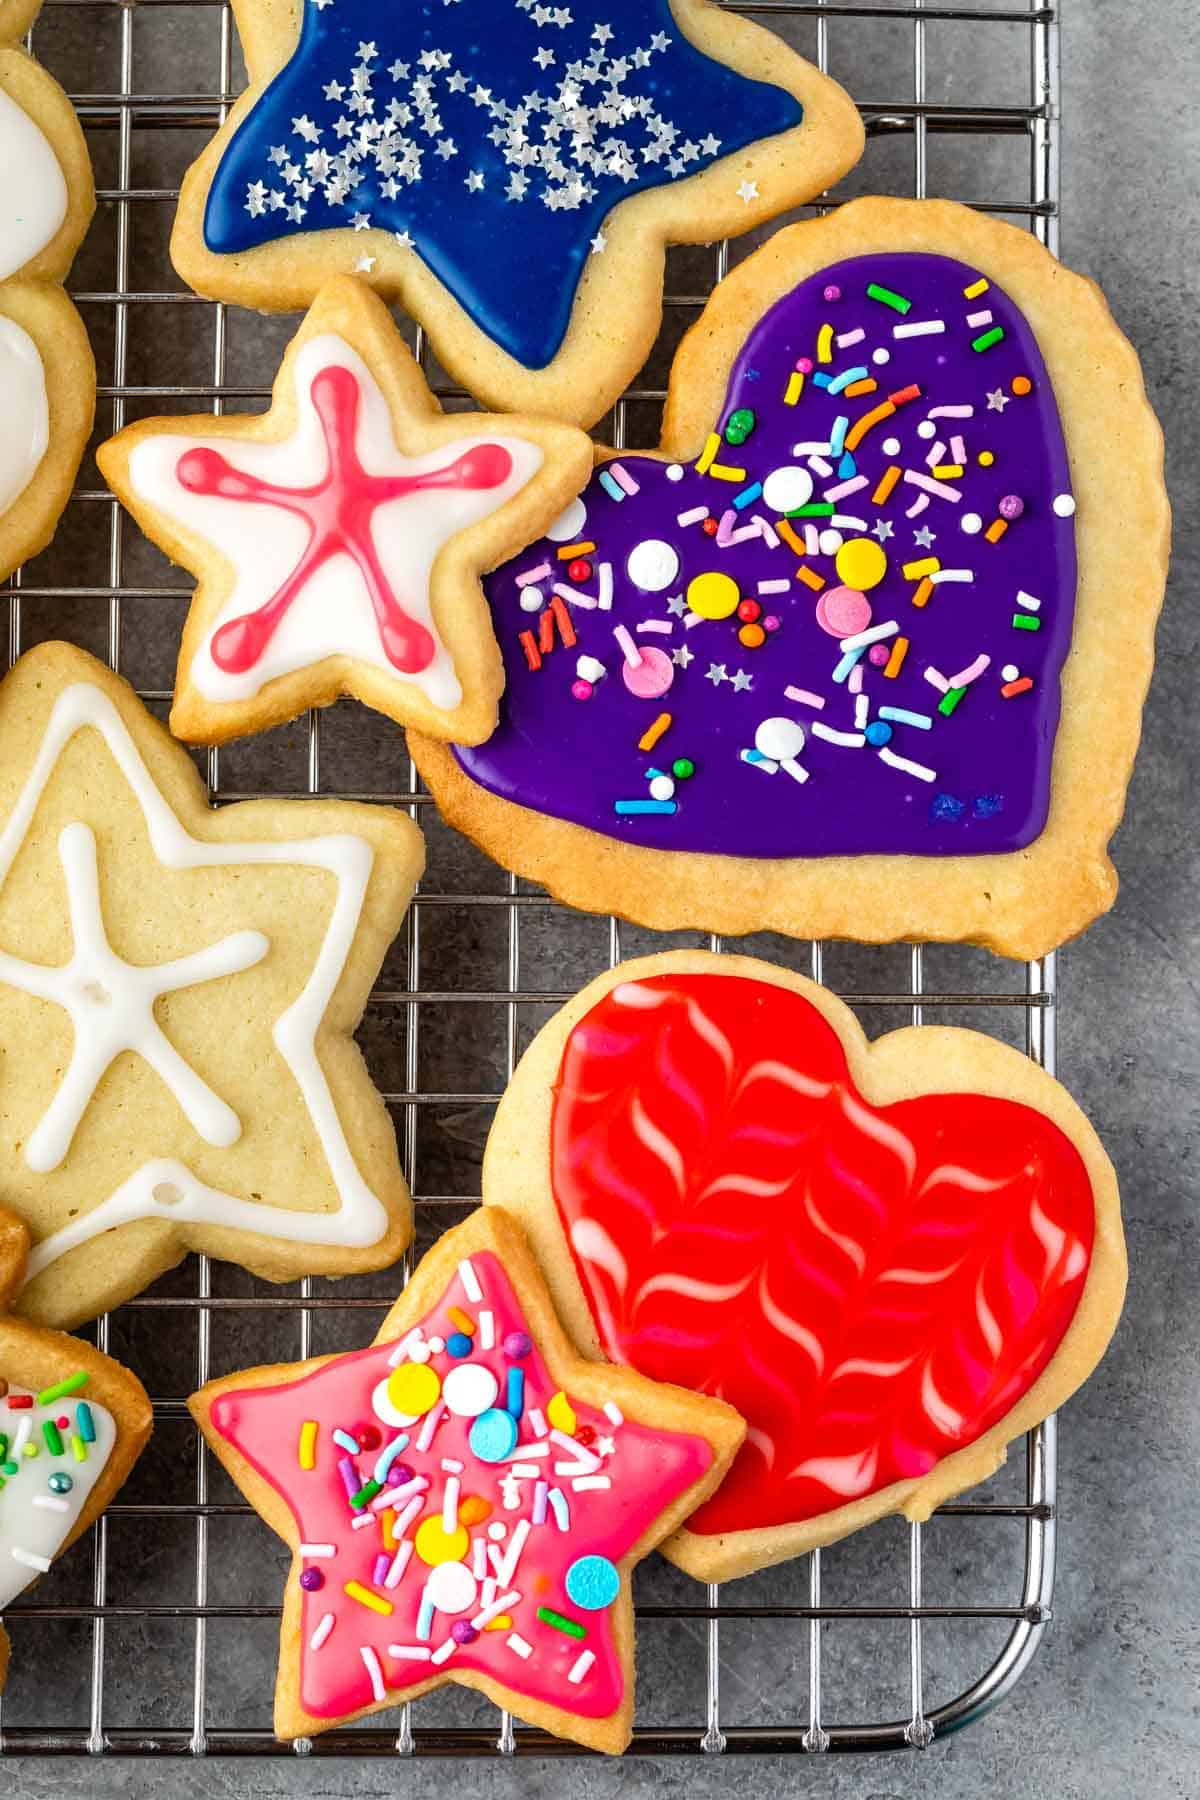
(465, 1499)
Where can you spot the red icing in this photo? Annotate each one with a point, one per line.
(872, 1288)
(338, 510)
(646, 1469)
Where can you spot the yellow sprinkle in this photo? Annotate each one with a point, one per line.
(707, 454)
(354, 1590)
(561, 1414)
(649, 738)
(308, 1444)
(79, 1448)
(795, 388)
(986, 459)
(501, 1622)
(976, 288)
(887, 482)
(463, 1320)
(825, 344)
(31, 1448)
(723, 472)
(947, 472)
(811, 579)
(925, 565)
(895, 661)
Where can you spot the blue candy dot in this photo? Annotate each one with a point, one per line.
(592, 1583)
(493, 1435)
(879, 732)
(60, 1483)
(459, 1344)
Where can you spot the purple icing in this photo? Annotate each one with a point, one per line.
(990, 757)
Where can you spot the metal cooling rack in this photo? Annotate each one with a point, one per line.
(141, 138)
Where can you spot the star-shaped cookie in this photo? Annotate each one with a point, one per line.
(339, 538)
(178, 992)
(465, 1500)
(511, 172)
(72, 1424)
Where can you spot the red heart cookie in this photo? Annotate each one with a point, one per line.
(874, 1287)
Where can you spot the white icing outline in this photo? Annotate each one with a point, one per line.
(166, 1188)
(33, 202)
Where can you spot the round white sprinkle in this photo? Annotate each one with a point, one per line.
(1009, 672)
(569, 523)
(652, 565)
(1064, 505)
(674, 471)
(662, 788)
(452, 1587)
(497, 1531)
(971, 523)
(786, 488)
(830, 542)
(532, 599)
(590, 668)
(927, 429)
(419, 1353)
(469, 1389)
(891, 446)
(437, 1345)
(780, 739)
(881, 356)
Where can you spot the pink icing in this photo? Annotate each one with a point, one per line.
(647, 1469)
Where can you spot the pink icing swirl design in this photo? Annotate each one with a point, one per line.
(466, 1532)
(872, 1288)
(338, 510)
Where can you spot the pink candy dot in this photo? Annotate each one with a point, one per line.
(842, 611)
(879, 654)
(582, 690)
(832, 292)
(651, 677)
(772, 622)
(805, 365)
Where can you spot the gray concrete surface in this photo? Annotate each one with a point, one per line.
(1109, 1710)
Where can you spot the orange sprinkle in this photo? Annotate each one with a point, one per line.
(789, 536)
(810, 578)
(895, 661)
(569, 552)
(529, 646)
(923, 593)
(387, 1520)
(1016, 687)
(996, 530)
(464, 1321)
(1021, 384)
(887, 482)
(566, 629)
(861, 387)
(546, 632)
(860, 427)
(650, 737)
(474, 1510)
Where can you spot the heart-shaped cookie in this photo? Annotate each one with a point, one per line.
(865, 605)
(890, 1260)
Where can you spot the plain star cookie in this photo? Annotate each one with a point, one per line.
(858, 652)
(339, 538)
(72, 1424)
(179, 989)
(465, 1500)
(891, 1258)
(510, 172)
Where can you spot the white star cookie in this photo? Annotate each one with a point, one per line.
(339, 538)
(178, 993)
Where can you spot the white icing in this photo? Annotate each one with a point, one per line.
(26, 1525)
(333, 615)
(26, 411)
(33, 196)
(111, 1004)
(164, 1187)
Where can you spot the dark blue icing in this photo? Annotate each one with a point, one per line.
(990, 757)
(511, 260)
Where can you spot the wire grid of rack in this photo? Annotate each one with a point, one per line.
(127, 312)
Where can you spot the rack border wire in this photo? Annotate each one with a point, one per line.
(715, 1734)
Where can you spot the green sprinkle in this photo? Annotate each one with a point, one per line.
(816, 509)
(950, 700)
(71, 1385)
(10, 1468)
(888, 298)
(78, 1448)
(741, 424)
(53, 1437)
(683, 768)
(366, 1493)
(3, 1448)
(548, 1616)
(986, 339)
(1026, 622)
